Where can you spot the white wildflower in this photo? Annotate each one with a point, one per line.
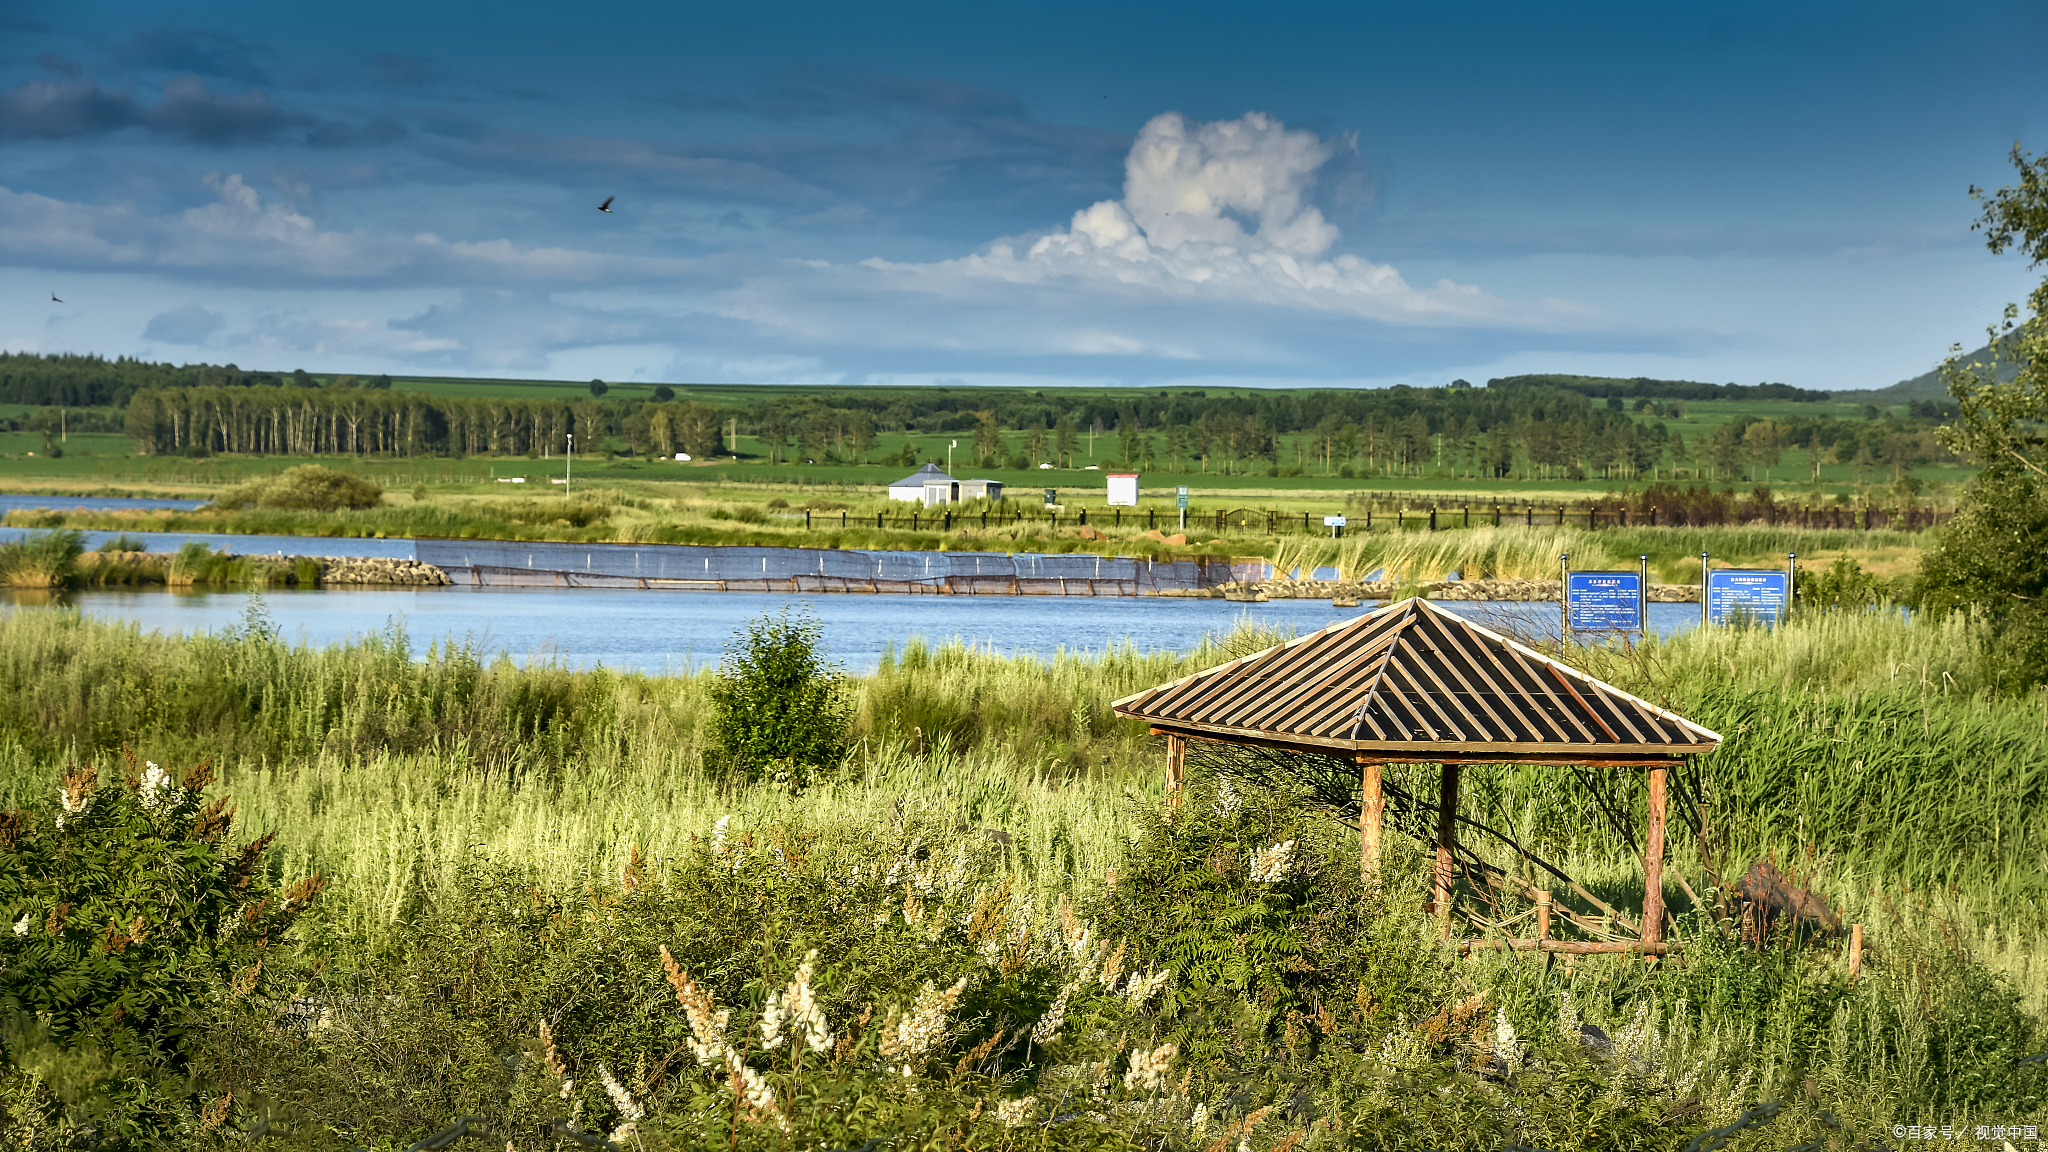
(1505, 1043)
(905, 862)
(1227, 800)
(1141, 988)
(1016, 1113)
(754, 1089)
(1568, 1021)
(707, 1021)
(795, 1007)
(1199, 1122)
(920, 1029)
(21, 925)
(722, 847)
(1148, 1069)
(1269, 865)
(156, 790)
(621, 1099)
(1048, 1027)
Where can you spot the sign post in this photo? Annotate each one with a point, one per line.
(1564, 599)
(1336, 526)
(1604, 601)
(1181, 498)
(1735, 595)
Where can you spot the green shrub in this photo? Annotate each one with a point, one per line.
(124, 542)
(778, 709)
(309, 487)
(134, 919)
(41, 559)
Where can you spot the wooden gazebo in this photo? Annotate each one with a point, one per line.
(1413, 683)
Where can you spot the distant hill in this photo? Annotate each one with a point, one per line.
(1630, 388)
(1926, 386)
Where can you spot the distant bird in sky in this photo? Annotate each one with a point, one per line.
(53, 296)
(607, 205)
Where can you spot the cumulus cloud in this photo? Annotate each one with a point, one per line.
(189, 324)
(1220, 212)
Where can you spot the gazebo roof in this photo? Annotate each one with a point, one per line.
(1413, 682)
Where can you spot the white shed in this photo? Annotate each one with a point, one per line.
(912, 487)
(981, 489)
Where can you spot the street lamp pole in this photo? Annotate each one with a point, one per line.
(568, 463)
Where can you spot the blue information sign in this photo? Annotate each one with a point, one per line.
(1604, 601)
(1754, 594)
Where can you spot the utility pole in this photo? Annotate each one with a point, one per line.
(568, 464)
(949, 456)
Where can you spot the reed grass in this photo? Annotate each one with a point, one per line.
(1521, 552)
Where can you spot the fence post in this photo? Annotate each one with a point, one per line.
(1855, 952)
(1432, 517)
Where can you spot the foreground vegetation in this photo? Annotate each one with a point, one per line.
(504, 848)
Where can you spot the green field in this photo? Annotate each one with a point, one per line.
(505, 847)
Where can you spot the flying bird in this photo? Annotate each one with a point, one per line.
(53, 296)
(607, 205)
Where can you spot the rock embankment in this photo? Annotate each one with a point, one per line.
(227, 569)
(1491, 590)
(377, 570)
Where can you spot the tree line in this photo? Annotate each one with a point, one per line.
(275, 420)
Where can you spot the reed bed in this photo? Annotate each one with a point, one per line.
(1521, 552)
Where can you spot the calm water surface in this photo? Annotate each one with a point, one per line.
(673, 631)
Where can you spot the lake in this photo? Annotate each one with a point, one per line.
(674, 631)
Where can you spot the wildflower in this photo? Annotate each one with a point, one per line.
(707, 1023)
(1227, 800)
(553, 1059)
(1016, 1113)
(1269, 865)
(156, 790)
(795, 1006)
(921, 1028)
(1141, 987)
(751, 1087)
(1199, 1122)
(1148, 1069)
(1568, 1021)
(1048, 1027)
(21, 925)
(1505, 1043)
(621, 1099)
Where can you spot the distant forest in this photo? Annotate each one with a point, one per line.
(1524, 427)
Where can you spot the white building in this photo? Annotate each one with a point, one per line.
(912, 487)
(981, 489)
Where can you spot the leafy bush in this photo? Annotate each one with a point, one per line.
(778, 709)
(125, 542)
(134, 917)
(41, 559)
(309, 487)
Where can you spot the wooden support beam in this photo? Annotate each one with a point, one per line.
(1176, 767)
(1568, 947)
(1543, 914)
(1372, 814)
(1446, 843)
(1653, 862)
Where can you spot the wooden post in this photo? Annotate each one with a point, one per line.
(1446, 840)
(1543, 914)
(1855, 952)
(1653, 862)
(1372, 812)
(1176, 768)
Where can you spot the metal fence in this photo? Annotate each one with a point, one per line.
(693, 567)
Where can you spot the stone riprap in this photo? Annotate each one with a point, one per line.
(1493, 590)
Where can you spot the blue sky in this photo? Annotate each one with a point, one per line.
(1036, 194)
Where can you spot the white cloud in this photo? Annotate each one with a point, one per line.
(240, 235)
(1180, 233)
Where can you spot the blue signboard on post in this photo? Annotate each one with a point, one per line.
(1604, 601)
(1756, 595)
